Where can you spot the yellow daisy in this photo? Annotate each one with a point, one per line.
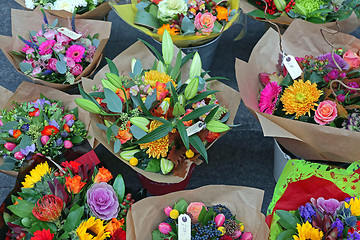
(354, 206)
(300, 98)
(158, 148)
(92, 229)
(36, 174)
(153, 76)
(306, 231)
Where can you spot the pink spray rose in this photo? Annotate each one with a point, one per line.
(204, 22)
(36, 71)
(46, 47)
(62, 39)
(58, 47)
(326, 112)
(77, 70)
(28, 50)
(50, 35)
(69, 62)
(352, 59)
(194, 210)
(52, 64)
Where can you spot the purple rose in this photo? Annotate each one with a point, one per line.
(307, 212)
(331, 64)
(103, 201)
(326, 206)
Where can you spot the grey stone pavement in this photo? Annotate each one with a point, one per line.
(242, 157)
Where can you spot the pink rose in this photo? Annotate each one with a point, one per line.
(326, 112)
(194, 210)
(204, 22)
(58, 47)
(52, 64)
(352, 59)
(50, 35)
(68, 144)
(28, 50)
(77, 70)
(36, 71)
(69, 62)
(62, 39)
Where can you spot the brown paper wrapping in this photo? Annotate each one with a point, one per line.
(28, 92)
(346, 26)
(99, 13)
(305, 140)
(35, 21)
(244, 202)
(228, 97)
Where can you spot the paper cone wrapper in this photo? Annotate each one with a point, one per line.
(99, 13)
(146, 215)
(346, 26)
(29, 92)
(227, 96)
(304, 140)
(128, 12)
(23, 22)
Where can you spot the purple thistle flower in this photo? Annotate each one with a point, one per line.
(64, 134)
(59, 141)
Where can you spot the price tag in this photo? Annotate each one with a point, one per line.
(197, 127)
(184, 227)
(292, 66)
(71, 34)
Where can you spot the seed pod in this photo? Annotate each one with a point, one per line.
(195, 68)
(127, 155)
(178, 110)
(166, 166)
(280, 5)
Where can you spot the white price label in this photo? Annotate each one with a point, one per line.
(197, 127)
(71, 34)
(292, 66)
(184, 230)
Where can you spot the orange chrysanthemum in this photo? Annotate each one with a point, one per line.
(158, 148)
(300, 98)
(222, 13)
(153, 76)
(172, 31)
(74, 184)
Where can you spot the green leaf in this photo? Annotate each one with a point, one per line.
(22, 209)
(87, 96)
(186, 58)
(217, 27)
(61, 67)
(183, 134)
(187, 26)
(158, 119)
(286, 235)
(202, 215)
(119, 187)
(260, 14)
(316, 78)
(97, 95)
(198, 112)
(102, 127)
(176, 70)
(109, 133)
(74, 218)
(113, 101)
(137, 68)
(114, 129)
(143, 107)
(146, 19)
(209, 215)
(9, 125)
(201, 96)
(216, 78)
(210, 116)
(217, 126)
(156, 134)
(196, 142)
(76, 139)
(156, 52)
(113, 69)
(150, 99)
(25, 141)
(181, 206)
(117, 146)
(9, 164)
(287, 81)
(287, 220)
(137, 132)
(153, 166)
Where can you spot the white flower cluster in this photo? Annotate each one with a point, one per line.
(67, 5)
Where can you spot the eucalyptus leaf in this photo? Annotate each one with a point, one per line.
(102, 127)
(137, 132)
(137, 68)
(26, 67)
(113, 101)
(117, 146)
(96, 43)
(61, 67)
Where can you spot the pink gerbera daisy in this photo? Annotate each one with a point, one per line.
(46, 47)
(75, 52)
(268, 97)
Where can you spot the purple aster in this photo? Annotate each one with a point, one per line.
(28, 149)
(331, 64)
(54, 123)
(307, 212)
(59, 141)
(339, 225)
(40, 103)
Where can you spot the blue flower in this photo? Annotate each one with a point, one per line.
(54, 123)
(59, 141)
(339, 225)
(70, 123)
(353, 236)
(64, 134)
(28, 149)
(40, 103)
(25, 127)
(307, 212)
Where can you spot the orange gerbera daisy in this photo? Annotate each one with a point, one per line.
(158, 148)
(172, 31)
(222, 13)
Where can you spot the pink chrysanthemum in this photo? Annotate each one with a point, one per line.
(46, 47)
(269, 97)
(75, 52)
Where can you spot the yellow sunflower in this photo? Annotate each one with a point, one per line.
(92, 229)
(158, 148)
(153, 76)
(354, 206)
(300, 98)
(306, 231)
(36, 174)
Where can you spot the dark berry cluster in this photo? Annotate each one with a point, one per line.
(205, 232)
(224, 210)
(169, 220)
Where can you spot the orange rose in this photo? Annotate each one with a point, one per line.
(194, 210)
(74, 184)
(124, 135)
(204, 22)
(352, 59)
(114, 225)
(103, 175)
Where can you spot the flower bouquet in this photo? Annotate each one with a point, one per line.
(324, 12)
(158, 123)
(33, 125)
(74, 202)
(235, 209)
(84, 9)
(53, 54)
(314, 115)
(315, 201)
(191, 23)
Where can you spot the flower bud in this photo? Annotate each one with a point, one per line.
(165, 228)
(300, 9)
(140, 122)
(87, 105)
(1, 123)
(280, 5)
(114, 79)
(167, 210)
(107, 84)
(217, 126)
(195, 68)
(191, 89)
(161, 67)
(264, 78)
(174, 214)
(133, 61)
(127, 155)
(68, 117)
(166, 166)
(246, 236)
(167, 48)
(165, 105)
(10, 146)
(236, 234)
(19, 155)
(181, 99)
(68, 144)
(219, 220)
(178, 110)
(44, 139)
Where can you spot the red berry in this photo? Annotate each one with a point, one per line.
(18, 237)
(56, 174)
(213, 3)
(125, 210)
(124, 203)
(132, 201)
(22, 234)
(61, 174)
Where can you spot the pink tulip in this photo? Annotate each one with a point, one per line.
(68, 144)
(10, 146)
(236, 234)
(19, 155)
(219, 220)
(68, 117)
(246, 236)
(264, 78)
(44, 139)
(167, 210)
(164, 228)
(1, 123)
(37, 113)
